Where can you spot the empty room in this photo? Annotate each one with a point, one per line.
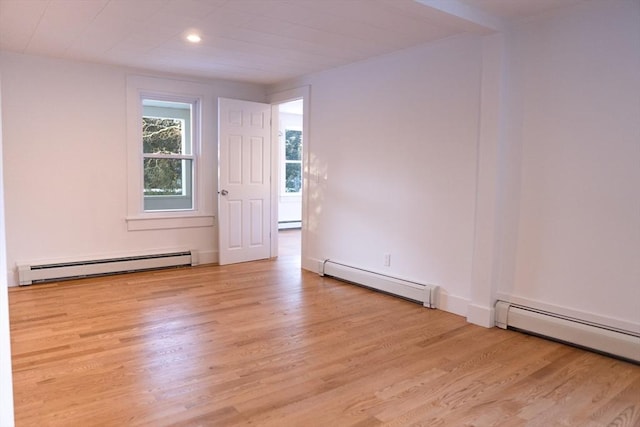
(320, 212)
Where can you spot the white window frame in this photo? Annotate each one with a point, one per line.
(193, 130)
(139, 88)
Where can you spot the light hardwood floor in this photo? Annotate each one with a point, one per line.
(266, 344)
(289, 243)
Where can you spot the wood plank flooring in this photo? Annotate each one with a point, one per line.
(289, 243)
(266, 344)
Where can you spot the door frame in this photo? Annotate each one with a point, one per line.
(275, 99)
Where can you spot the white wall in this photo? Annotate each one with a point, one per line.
(6, 386)
(499, 166)
(393, 164)
(576, 84)
(65, 144)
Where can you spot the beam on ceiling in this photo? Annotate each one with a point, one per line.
(469, 18)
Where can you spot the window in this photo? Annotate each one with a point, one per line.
(292, 161)
(168, 160)
(167, 187)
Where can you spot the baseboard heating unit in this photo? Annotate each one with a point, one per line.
(592, 336)
(28, 274)
(425, 294)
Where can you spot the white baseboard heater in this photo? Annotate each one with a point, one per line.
(425, 294)
(588, 335)
(28, 274)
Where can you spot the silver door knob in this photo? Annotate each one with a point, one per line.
(224, 192)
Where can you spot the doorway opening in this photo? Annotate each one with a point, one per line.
(290, 168)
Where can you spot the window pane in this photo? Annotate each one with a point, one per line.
(293, 178)
(166, 127)
(293, 145)
(162, 136)
(168, 184)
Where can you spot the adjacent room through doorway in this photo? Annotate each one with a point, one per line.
(290, 155)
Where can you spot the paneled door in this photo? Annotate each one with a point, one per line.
(244, 197)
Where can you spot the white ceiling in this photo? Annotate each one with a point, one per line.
(262, 41)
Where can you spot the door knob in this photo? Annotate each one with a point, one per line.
(224, 192)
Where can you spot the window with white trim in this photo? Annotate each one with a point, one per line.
(168, 154)
(175, 192)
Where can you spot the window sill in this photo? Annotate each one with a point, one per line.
(290, 197)
(168, 221)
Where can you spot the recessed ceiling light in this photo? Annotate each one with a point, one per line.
(194, 38)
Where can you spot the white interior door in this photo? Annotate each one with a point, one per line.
(244, 185)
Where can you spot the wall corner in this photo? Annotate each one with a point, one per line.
(481, 316)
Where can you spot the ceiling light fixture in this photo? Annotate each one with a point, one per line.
(194, 38)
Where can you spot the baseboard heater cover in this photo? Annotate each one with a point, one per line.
(588, 335)
(29, 274)
(286, 225)
(422, 293)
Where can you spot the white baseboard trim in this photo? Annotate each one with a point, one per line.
(12, 279)
(312, 265)
(452, 303)
(481, 316)
(208, 257)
